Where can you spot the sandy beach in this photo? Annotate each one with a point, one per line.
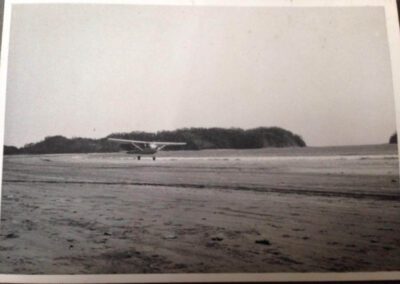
(268, 210)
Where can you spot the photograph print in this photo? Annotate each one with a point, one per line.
(212, 138)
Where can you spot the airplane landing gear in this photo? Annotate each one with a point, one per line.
(138, 157)
(154, 158)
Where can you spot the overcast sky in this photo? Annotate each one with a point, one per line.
(90, 70)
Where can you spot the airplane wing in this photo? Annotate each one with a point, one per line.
(145, 142)
(167, 143)
(125, 141)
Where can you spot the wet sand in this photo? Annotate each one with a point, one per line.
(269, 210)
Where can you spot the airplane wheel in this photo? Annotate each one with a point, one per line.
(154, 158)
(138, 157)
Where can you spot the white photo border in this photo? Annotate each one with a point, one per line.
(393, 35)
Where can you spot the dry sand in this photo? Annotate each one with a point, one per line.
(270, 210)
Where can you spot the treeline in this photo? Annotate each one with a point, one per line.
(196, 139)
(60, 144)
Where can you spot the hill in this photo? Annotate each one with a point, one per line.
(393, 139)
(196, 139)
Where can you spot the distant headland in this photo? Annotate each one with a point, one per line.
(196, 139)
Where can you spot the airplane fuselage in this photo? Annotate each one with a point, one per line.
(145, 151)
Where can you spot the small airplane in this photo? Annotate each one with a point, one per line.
(148, 147)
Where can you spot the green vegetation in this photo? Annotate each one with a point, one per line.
(196, 139)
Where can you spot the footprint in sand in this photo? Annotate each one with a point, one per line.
(297, 230)
(263, 242)
(387, 248)
(11, 236)
(218, 239)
